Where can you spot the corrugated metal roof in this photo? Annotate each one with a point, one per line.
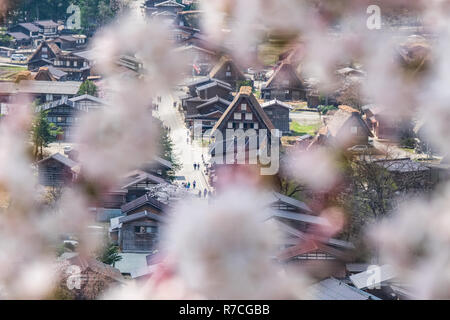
(333, 289)
(373, 276)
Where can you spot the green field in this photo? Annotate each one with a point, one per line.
(8, 72)
(300, 130)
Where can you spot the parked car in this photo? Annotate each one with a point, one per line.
(18, 57)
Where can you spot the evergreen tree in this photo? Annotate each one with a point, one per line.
(166, 147)
(88, 87)
(42, 133)
(109, 253)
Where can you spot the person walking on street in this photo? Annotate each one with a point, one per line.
(205, 192)
(189, 185)
(194, 184)
(199, 193)
(194, 165)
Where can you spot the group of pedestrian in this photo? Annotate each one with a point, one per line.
(186, 185)
(196, 166)
(205, 193)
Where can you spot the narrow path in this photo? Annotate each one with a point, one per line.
(188, 153)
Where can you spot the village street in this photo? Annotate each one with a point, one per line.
(187, 153)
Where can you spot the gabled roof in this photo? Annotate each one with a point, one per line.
(285, 67)
(18, 35)
(60, 158)
(214, 100)
(51, 45)
(139, 176)
(140, 215)
(51, 87)
(141, 201)
(245, 92)
(46, 23)
(221, 64)
(214, 83)
(94, 265)
(29, 26)
(45, 73)
(162, 162)
(340, 118)
(169, 3)
(276, 102)
(88, 97)
(189, 47)
(56, 72)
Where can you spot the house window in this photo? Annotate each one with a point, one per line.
(44, 55)
(44, 49)
(248, 116)
(255, 125)
(228, 74)
(237, 116)
(68, 63)
(49, 97)
(145, 229)
(354, 130)
(244, 107)
(241, 125)
(230, 125)
(85, 64)
(74, 63)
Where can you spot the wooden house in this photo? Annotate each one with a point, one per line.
(345, 129)
(95, 277)
(138, 229)
(284, 85)
(384, 124)
(47, 28)
(145, 202)
(206, 113)
(65, 112)
(42, 91)
(138, 182)
(215, 88)
(205, 101)
(57, 171)
(227, 71)
(199, 60)
(20, 39)
(75, 66)
(244, 112)
(278, 113)
(50, 73)
(137, 232)
(45, 54)
(27, 28)
(71, 42)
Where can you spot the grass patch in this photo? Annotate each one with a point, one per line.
(409, 150)
(12, 68)
(300, 130)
